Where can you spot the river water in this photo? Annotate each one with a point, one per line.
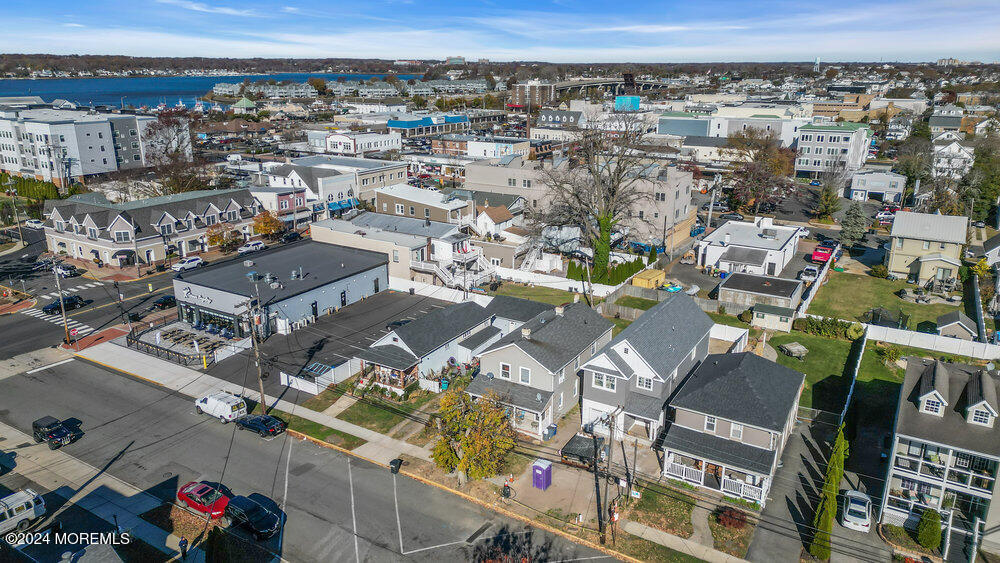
(147, 91)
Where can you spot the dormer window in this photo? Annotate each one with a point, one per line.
(932, 406)
(166, 229)
(980, 416)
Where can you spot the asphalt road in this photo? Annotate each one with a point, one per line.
(338, 508)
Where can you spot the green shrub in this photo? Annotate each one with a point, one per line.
(745, 316)
(889, 354)
(929, 529)
(879, 271)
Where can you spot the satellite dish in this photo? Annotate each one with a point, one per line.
(489, 375)
(538, 397)
(990, 366)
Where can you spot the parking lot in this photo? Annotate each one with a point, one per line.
(331, 340)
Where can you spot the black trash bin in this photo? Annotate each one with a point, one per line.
(395, 464)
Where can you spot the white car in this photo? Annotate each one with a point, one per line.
(857, 511)
(804, 232)
(252, 246)
(224, 406)
(809, 274)
(34, 224)
(188, 263)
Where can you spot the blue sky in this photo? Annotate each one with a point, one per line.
(550, 30)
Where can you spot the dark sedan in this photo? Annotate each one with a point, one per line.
(731, 216)
(263, 424)
(69, 302)
(165, 302)
(291, 236)
(252, 512)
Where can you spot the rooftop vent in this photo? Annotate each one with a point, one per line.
(769, 234)
(560, 310)
(526, 332)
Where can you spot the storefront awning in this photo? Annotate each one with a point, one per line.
(95, 252)
(125, 253)
(343, 204)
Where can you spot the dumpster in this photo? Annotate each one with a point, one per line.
(550, 432)
(541, 474)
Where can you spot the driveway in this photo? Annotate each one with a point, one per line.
(786, 523)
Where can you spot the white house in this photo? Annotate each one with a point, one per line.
(873, 184)
(759, 247)
(493, 220)
(354, 143)
(952, 160)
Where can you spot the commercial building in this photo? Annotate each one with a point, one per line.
(287, 204)
(414, 125)
(405, 200)
(89, 227)
(945, 453)
(882, 186)
(288, 286)
(353, 143)
(334, 183)
(534, 93)
(62, 146)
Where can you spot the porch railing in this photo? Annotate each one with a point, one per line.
(742, 489)
(684, 472)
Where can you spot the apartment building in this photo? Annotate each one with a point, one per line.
(404, 200)
(288, 204)
(89, 227)
(264, 90)
(824, 146)
(684, 124)
(925, 246)
(534, 93)
(337, 182)
(353, 143)
(952, 159)
(68, 145)
(945, 452)
(421, 250)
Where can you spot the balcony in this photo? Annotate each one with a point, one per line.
(684, 472)
(741, 489)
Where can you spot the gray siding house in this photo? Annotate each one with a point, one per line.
(631, 378)
(731, 420)
(535, 370)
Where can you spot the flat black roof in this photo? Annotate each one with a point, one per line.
(764, 285)
(321, 264)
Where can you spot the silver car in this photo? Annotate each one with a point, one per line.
(857, 512)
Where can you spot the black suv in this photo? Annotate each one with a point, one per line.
(69, 302)
(263, 424)
(252, 513)
(291, 236)
(165, 302)
(49, 429)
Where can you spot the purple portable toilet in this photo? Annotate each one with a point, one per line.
(541, 474)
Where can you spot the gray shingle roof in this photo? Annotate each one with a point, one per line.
(479, 338)
(511, 393)
(933, 227)
(665, 334)
(556, 339)
(741, 387)
(935, 377)
(981, 388)
(389, 355)
(951, 428)
(440, 326)
(702, 141)
(720, 450)
(992, 242)
(405, 225)
(740, 255)
(515, 308)
(644, 406)
(956, 316)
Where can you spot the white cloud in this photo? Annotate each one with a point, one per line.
(290, 10)
(73, 25)
(655, 28)
(205, 8)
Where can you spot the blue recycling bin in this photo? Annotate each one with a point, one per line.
(541, 474)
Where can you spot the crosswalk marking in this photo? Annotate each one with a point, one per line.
(69, 290)
(73, 324)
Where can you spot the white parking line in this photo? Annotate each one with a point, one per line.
(36, 370)
(354, 519)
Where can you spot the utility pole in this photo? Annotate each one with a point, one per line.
(13, 204)
(253, 308)
(607, 478)
(711, 207)
(62, 304)
(597, 488)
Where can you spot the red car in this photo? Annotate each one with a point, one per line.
(204, 498)
(821, 254)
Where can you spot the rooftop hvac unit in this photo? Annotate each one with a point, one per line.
(769, 234)
(275, 285)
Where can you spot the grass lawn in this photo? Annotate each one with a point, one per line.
(733, 541)
(382, 415)
(317, 430)
(849, 296)
(636, 302)
(536, 293)
(327, 397)
(877, 390)
(824, 366)
(620, 325)
(664, 509)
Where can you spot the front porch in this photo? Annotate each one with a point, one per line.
(729, 481)
(392, 379)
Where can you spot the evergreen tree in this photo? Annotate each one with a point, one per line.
(855, 224)
(929, 529)
(652, 256)
(827, 510)
(828, 203)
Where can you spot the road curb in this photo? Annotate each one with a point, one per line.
(113, 368)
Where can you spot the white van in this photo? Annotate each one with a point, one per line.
(224, 406)
(18, 510)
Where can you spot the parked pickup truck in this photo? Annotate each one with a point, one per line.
(821, 254)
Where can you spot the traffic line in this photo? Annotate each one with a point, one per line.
(36, 370)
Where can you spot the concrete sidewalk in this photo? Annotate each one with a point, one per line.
(379, 447)
(682, 545)
(99, 493)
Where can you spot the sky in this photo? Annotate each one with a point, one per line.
(505, 30)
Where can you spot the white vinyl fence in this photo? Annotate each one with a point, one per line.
(555, 282)
(979, 350)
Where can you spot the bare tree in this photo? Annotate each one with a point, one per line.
(760, 167)
(169, 154)
(598, 190)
